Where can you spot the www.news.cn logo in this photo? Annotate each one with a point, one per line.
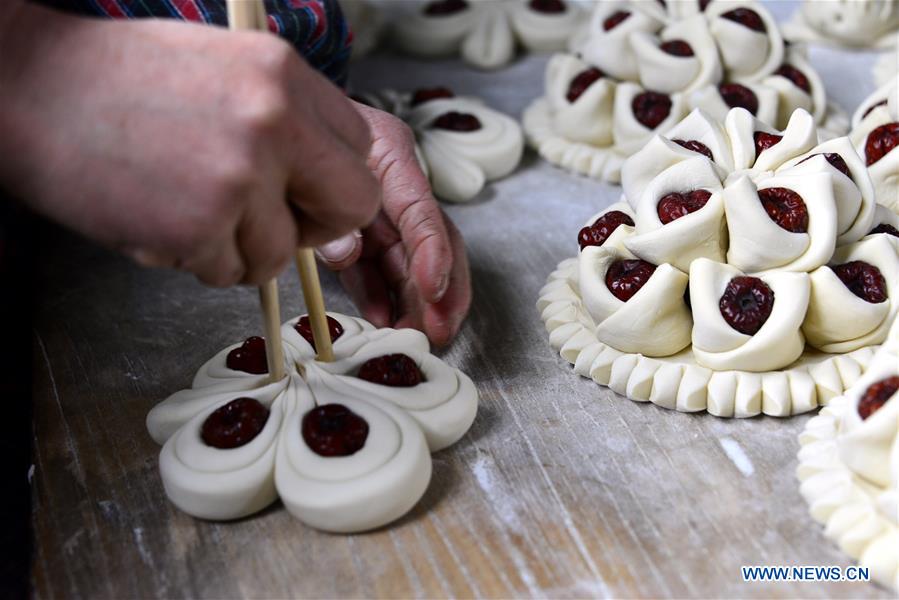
(804, 573)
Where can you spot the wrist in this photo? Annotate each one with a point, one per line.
(33, 43)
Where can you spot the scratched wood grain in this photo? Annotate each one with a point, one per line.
(560, 489)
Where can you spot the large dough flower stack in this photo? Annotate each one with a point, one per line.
(747, 270)
(849, 467)
(875, 133)
(641, 67)
(462, 143)
(345, 445)
(486, 33)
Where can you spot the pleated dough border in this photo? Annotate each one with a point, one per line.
(677, 382)
(842, 502)
(604, 163)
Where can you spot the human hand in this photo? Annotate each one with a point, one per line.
(179, 144)
(408, 268)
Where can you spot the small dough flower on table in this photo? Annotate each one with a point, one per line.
(640, 67)
(487, 33)
(849, 467)
(345, 445)
(462, 143)
(723, 279)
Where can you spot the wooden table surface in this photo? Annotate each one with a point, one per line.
(560, 488)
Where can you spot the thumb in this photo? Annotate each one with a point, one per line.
(341, 253)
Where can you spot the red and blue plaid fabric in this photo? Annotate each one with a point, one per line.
(316, 28)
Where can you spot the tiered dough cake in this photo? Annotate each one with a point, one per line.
(746, 271)
(641, 67)
(486, 32)
(875, 134)
(462, 143)
(346, 445)
(849, 467)
(852, 23)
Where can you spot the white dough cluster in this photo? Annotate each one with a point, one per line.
(369, 488)
(815, 321)
(880, 109)
(846, 23)
(592, 134)
(849, 468)
(458, 163)
(486, 33)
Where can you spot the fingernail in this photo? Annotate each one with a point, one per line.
(337, 251)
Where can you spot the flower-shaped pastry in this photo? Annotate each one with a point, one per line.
(787, 200)
(751, 217)
(641, 66)
(746, 323)
(638, 306)
(849, 466)
(345, 445)
(680, 216)
(852, 23)
(486, 34)
(875, 134)
(855, 299)
(786, 222)
(462, 143)
(609, 228)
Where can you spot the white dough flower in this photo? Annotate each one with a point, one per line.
(596, 231)
(588, 118)
(632, 124)
(609, 43)
(776, 314)
(759, 243)
(542, 31)
(846, 314)
(743, 129)
(486, 34)
(652, 63)
(866, 438)
(654, 321)
(751, 44)
(662, 71)
(461, 161)
(235, 442)
(718, 100)
(697, 135)
(798, 86)
(852, 188)
(875, 134)
(680, 216)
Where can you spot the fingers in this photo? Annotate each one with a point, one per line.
(218, 265)
(267, 240)
(339, 254)
(409, 203)
(443, 320)
(332, 188)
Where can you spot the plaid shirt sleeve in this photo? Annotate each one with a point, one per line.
(316, 28)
